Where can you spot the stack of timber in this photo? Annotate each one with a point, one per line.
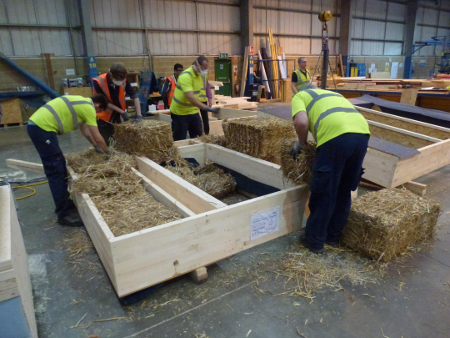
(234, 102)
(16, 298)
(10, 112)
(141, 259)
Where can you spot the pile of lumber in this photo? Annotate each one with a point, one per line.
(362, 83)
(234, 102)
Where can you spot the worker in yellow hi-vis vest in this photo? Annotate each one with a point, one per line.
(61, 116)
(186, 101)
(342, 136)
(301, 77)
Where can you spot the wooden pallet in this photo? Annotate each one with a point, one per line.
(210, 230)
(14, 275)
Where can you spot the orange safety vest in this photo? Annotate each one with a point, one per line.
(107, 114)
(173, 84)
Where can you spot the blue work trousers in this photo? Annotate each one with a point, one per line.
(182, 124)
(337, 171)
(55, 169)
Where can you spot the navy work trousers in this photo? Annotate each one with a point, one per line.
(182, 124)
(55, 169)
(337, 171)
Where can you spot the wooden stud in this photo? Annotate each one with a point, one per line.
(12, 163)
(409, 96)
(199, 275)
(49, 69)
(415, 187)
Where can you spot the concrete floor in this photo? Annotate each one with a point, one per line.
(229, 304)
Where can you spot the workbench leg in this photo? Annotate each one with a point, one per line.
(199, 275)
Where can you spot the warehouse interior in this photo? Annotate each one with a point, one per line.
(198, 235)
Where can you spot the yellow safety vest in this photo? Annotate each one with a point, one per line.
(329, 114)
(203, 96)
(302, 80)
(187, 81)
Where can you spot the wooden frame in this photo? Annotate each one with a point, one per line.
(14, 274)
(210, 231)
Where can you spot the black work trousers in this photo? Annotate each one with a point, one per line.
(337, 171)
(182, 124)
(55, 169)
(205, 119)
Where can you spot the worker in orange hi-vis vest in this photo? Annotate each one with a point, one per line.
(168, 89)
(115, 87)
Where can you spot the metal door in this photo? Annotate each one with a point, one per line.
(223, 74)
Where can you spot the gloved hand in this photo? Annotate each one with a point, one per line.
(138, 119)
(125, 117)
(98, 149)
(296, 150)
(112, 152)
(212, 110)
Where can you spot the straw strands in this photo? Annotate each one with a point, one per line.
(117, 192)
(386, 223)
(219, 140)
(299, 170)
(261, 137)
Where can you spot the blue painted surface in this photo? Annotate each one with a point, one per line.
(12, 318)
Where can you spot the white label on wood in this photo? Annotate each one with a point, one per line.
(264, 223)
(70, 71)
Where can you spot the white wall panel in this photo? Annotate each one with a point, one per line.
(302, 5)
(219, 43)
(374, 29)
(394, 31)
(325, 5)
(396, 11)
(218, 18)
(430, 16)
(444, 19)
(117, 43)
(427, 33)
(295, 23)
(372, 48)
(360, 7)
(376, 9)
(116, 13)
(6, 45)
(393, 48)
(356, 48)
(357, 28)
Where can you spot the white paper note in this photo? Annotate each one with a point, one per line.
(70, 71)
(394, 70)
(264, 223)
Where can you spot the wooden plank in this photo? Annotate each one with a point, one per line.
(405, 123)
(11, 112)
(405, 132)
(430, 158)
(162, 197)
(196, 151)
(254, 168)
(49, 69)
(19, 259)
(226, 113)
(185, 245)
(8, 285)
(5, 231)
(12, 163)
(380, 167)
(244, 72)
(184, 142)
(388, 134)
(380, 75)
(409, 96)
(192, 197)
(417, 188)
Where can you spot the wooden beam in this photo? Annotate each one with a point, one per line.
(162, 197)
(409, 96)
(192, 197)
(380, 167)
(254, 168)
(244, 72)
(49, 69)
(12, 163)
(405, 132)
(417, 188)
(196, 151)
(405, 123)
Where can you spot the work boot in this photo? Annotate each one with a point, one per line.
(303, 241)
(334, 244)
(71, 220)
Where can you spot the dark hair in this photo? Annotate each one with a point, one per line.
(201, 59)
(101, 100)
(177, 65)
(118, 71)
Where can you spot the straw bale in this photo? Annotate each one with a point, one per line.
(386, 223)
(261, 137)
(117, 192)
(149, 138)
(299, 170)
(220, 140)
(208, 178)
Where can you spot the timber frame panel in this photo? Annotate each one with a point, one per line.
(210, 230)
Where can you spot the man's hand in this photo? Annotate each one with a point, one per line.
(210, 104)
(98, 149)
(125, 117)
(212, 110)
(296, 150)
(138, 119)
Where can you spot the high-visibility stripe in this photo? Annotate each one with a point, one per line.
(329, 112)
(57, 118)
(72, 111)
(316, 98)
(182, 103)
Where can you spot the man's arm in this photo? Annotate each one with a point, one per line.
(196, 102)
(293, 82)
(137, 105)
(97, 138)
(301, 125)
(87, 133)
(164, 93)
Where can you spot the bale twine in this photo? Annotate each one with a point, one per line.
(261, 137)
(385, 223)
